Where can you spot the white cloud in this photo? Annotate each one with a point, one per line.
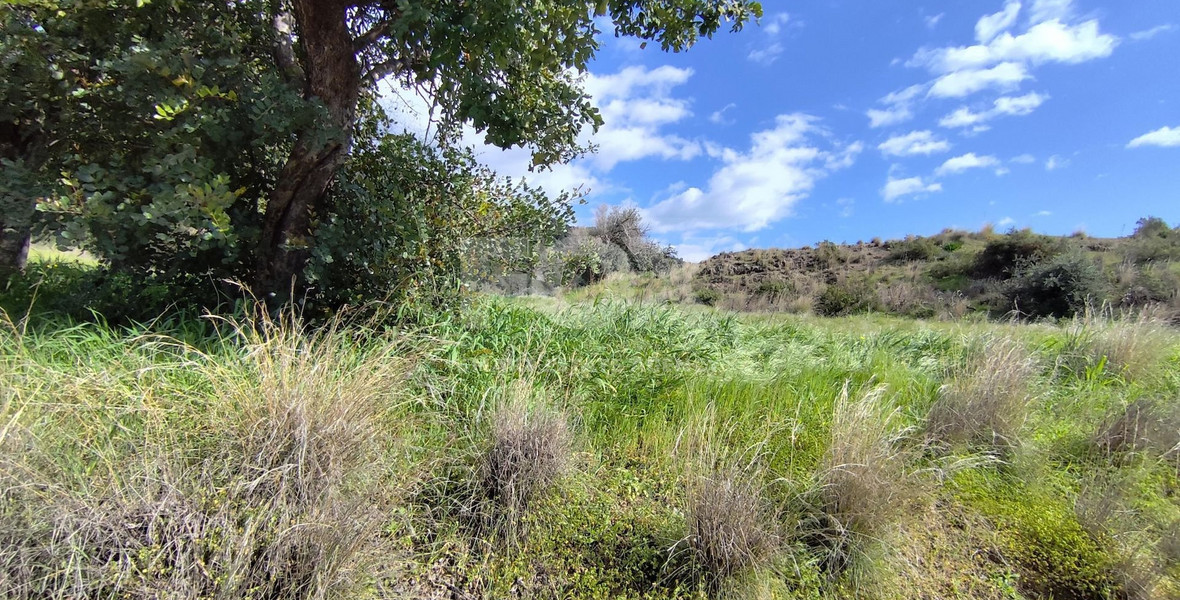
(755, 188)
(718, 116)
(636, 103)
(988, 27)
(774, 24)
(1164, 137)
(767, 54)
(1024, 159)
(1045, 42)
(694, 249)
(957, 84)
(772, 49)
(967, 161)
(1043, 213)
(897, 188)
(1003, 106)
(1043, 10)
(915, 142)
(1006, 221)
(1147, 34)
(898, 107)
(846, 207)
(1056, 162)
(932, 21)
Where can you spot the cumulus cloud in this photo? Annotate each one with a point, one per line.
(771, 49)
(754, 188)
(899, 188)
(913, 143)
(1164, 137)
(957, 84)
(1009, 45)
(697, 249)
(967, 161)
(1003, 106)
(1024, 159)
(1045, 42)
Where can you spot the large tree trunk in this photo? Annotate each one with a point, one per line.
(333, 78)
(16, 212)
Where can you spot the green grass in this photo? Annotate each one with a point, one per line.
(358, 451)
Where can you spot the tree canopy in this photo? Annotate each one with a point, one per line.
(177, 137)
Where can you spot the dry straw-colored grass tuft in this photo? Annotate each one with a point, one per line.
(986, 404)
(864, 484)
(731, 526)
(529, 450)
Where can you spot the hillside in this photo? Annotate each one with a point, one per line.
(952, 274)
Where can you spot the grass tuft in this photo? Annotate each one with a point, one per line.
(529, 450)
(985, 405)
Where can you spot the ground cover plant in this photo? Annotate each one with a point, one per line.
(589, 449)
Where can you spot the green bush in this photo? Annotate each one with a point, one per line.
(851, 296)
(775, 289)
(914, 249)
(1059, 287)
(1004, 256)
(707, 296)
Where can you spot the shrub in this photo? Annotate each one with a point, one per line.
(707, 296)
(851, 296)
(828, 255)
(775, 289)
(528, 451)
(1004, 256)
(1058, 287)
(914, 249)
(986, 404)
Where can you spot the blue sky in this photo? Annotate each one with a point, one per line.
(852, 119)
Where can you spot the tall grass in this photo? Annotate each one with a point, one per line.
(986, 404)
(142, 467)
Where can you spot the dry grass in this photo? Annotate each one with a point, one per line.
(529, 450)
(985, 405)
(863, 481)
(1144, 425)
(1104, 510)
(731, 526)
(1133, 345)
(259, 473)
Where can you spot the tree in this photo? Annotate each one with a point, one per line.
(204, 137)
(508, 69)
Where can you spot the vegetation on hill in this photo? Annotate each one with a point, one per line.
(955, 273)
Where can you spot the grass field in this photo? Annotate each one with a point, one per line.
(590, 449)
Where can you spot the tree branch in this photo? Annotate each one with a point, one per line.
(285, 50)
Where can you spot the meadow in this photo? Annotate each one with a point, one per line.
(589, 448)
